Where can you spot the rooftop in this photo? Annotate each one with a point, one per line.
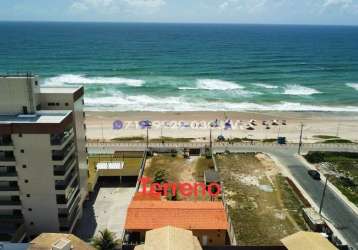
(183, 214)
(59, 90)
(39, 117)
(307, 240)
(45, 241)
(17, 75)
(170, 238)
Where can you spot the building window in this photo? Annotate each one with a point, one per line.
(57, 104)
(51, 104)
(24, 109)
(66, 104)
(22, 151)
(30, 209)
(83, 101)
(20, 135)
(24, 166)
(32, 223)
(28, 195)
(26, 181)
(36, 83)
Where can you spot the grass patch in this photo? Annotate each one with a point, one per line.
(325, 137)
(178, 170)
(170, 165)
(342, 171)
(171, 139)
(259, 200)
(338, 141)
(127, 139)
(201, 165)
(269, 140)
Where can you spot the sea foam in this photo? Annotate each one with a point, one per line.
(72, 79)
(216, 84)
(353, 85)
(266, 86)
(295, 89)
(151, 103)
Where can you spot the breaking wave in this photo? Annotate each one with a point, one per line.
(214, 84)
(122, 102)
(71, 79)
(353, 85)
(266, 86)
(295, 89)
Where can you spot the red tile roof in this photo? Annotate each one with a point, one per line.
(146, 197)
(147, 215)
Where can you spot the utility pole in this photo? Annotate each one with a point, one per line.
(147, 138)
(323, 194)
(338, 127)
(300, 143)
(211, 142)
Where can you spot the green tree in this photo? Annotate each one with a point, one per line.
(160, 176)
(106, 240)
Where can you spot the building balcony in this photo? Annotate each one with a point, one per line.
(63, 170)
(10, 188)
(73, 205)
(64, 154)
(68, 221)
(61, 138)
(64, 202)
(5, 140)
(63, 184)
(7, 157)
(12, 218)
(6, 143)
(10, 204)
(8, 175)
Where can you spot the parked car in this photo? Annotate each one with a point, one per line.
(314, 174)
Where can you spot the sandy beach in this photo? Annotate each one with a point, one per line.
(197, 125)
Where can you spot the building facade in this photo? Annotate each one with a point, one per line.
(43, 170)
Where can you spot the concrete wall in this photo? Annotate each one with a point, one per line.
(41, 184)
(14, 95)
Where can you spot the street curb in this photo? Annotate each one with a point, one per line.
(331, 186)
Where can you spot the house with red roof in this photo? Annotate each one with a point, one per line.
(207, 220)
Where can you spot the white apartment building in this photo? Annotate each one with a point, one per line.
(43, 169)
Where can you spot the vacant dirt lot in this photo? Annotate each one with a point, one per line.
(262, 206)
(177, 169)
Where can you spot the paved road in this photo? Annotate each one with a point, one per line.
(335, 208)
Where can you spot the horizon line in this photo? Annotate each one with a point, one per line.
(168, 22)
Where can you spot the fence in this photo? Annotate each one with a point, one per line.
(231, 230)
(143, 146)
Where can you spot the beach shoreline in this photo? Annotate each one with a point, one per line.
(196, 125)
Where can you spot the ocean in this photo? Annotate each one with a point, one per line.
(190, 67)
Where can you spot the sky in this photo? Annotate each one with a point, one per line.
(326, 12)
